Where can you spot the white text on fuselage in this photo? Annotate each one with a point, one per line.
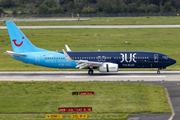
(125, 57)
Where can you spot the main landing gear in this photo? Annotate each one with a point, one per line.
(158, 71)
(90, 72)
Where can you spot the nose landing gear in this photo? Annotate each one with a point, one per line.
(158, 71)
(90, 72)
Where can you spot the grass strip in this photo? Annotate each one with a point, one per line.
(109, 98)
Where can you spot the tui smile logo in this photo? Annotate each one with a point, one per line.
(18, 45)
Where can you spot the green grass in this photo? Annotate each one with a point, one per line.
(164, 40)
(108, 21)
(111, 99)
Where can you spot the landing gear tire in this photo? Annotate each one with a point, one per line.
(90, 72)
(158, 72)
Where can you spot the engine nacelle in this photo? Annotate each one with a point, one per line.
(108, 67)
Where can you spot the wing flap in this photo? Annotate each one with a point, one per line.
(82, 65)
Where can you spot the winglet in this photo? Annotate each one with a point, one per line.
(66, 55)
(67, 48)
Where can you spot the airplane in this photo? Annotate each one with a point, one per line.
(104, 61)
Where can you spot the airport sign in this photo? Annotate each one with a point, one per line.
(69, 109)
(83, 109)
(74, 93)
(53, 116)
(86, 93)
(79, 116)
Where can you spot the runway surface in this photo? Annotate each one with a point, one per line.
(46, 19)
(98, 26)
(83, 76)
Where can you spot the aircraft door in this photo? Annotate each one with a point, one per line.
(103, 58)
(37, 58)
(155, 58)
(98, 58)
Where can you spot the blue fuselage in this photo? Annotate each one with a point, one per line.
(124, 59)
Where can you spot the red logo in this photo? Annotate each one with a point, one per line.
(18, 45)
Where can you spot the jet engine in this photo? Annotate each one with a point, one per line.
(108, 67)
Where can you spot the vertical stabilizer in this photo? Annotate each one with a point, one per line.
(19, 41)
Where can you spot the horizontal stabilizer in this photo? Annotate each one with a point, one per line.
(15, 54)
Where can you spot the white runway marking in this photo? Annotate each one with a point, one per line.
(21, 79)
(115, 76)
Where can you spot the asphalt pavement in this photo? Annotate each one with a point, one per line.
(83, 76)
(97, 26)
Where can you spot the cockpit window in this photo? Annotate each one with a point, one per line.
(165, 57)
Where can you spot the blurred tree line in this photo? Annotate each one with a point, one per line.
(88, 6)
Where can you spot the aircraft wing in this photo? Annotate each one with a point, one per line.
(15, 54)
(85, 63)
(82, 63)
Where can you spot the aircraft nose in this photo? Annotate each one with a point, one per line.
(172, 61)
